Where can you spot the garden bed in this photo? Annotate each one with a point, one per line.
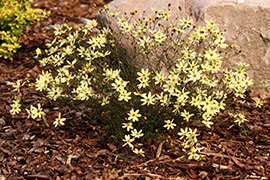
(32, 149)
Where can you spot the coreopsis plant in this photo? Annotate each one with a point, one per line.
(185, 84)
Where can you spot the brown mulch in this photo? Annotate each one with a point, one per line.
(36, 150)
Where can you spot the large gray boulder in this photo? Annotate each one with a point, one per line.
(246, 22)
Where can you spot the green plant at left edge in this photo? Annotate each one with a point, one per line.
(14, 16)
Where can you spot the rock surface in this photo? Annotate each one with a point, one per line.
(246, 22)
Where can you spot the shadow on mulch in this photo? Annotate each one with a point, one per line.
(36, 150)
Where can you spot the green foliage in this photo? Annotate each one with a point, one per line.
(14, 16)
(87, 69)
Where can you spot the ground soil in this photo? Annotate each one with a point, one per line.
(32, 149)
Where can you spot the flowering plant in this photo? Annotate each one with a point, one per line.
(186, 84)
(14, 16)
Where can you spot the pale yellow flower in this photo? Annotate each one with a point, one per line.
(186, 22)
(128, 141)
(186, 115)
(134, 115)
(148, 99)
(193, 154)
(127, 125)
(138, 151)
(169, 124)
(164, 99)
(259, 103)
(105, 100)
(144, 41)
(18, 85)
(15, 106)
(136, 134)
(183, 133)
(192, 136)
(144, 74)
(240, 119)
(59, 120)
(38, 112)
(182, 67)
(159, 78)
(30, 111)
(143, 83)
(124, 95)
(202, 32)
(194, 75)
(207, 123)
(54, 93)
(125, 27)
(44, 79)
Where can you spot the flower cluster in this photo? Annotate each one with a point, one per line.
(70, 69)
(15, 106)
